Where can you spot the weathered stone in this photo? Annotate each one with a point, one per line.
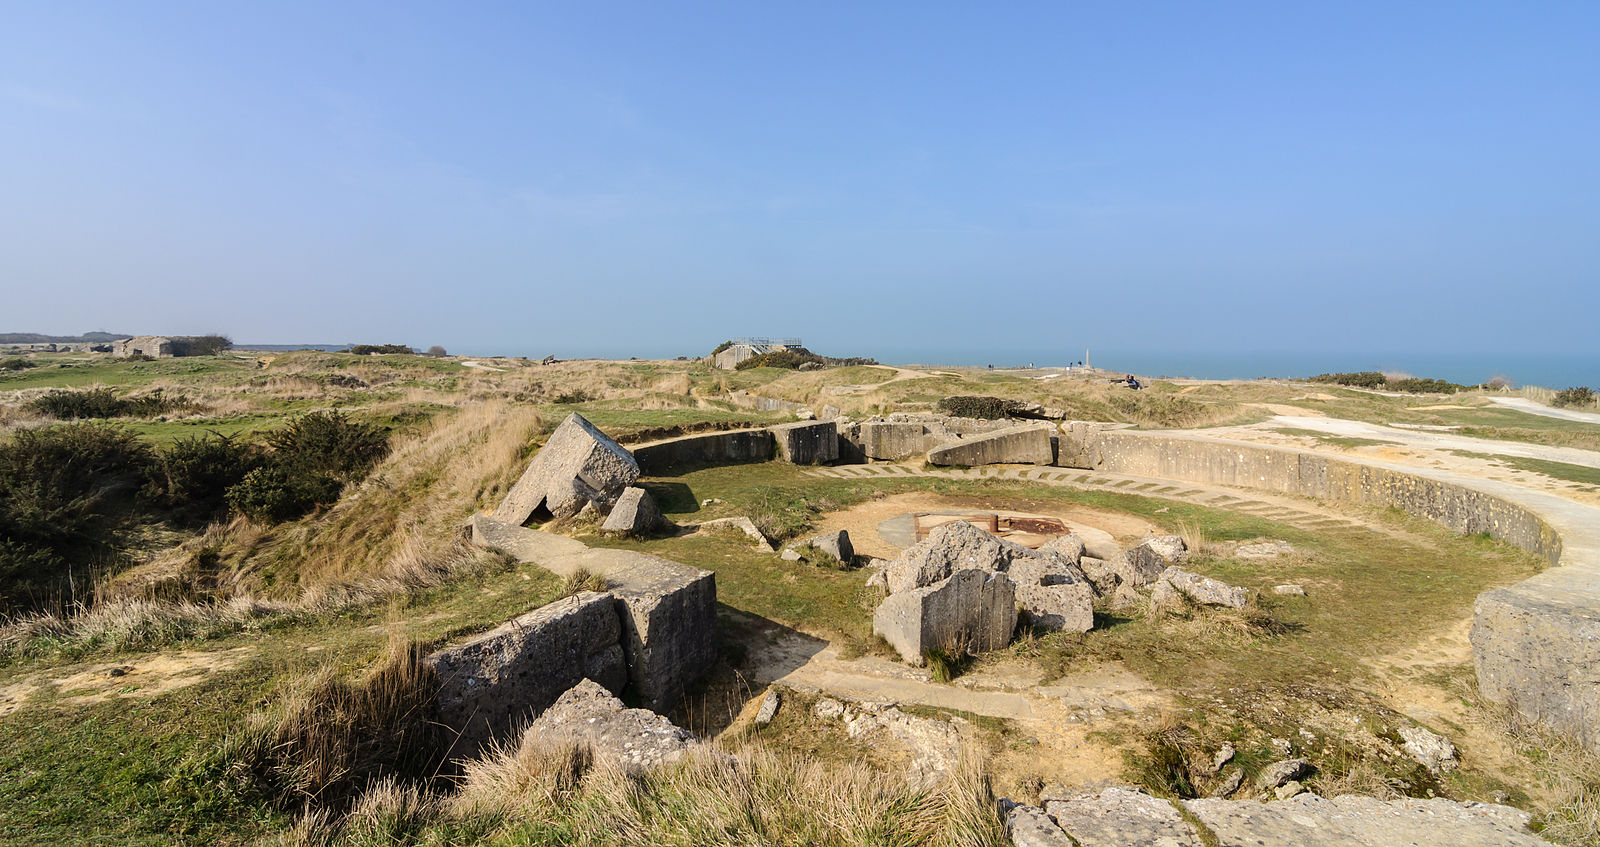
(492, 682)
(636, 739)
(935, 745)
(835, 544)
(828, 709)
(971, 610)
(1203, 589)
(1118, 817)
(1311, 821)
(1230, 784)
(807, 442)
(893, 440)
(769, 707)
(669, 626)
(1267, 549)
(1278, 773)
(1224, 755)
(1101, 574)
(949, 548)
(742, 524)
(1137, 567)
(1029, 826)
(577, 465)
(1069, 547)
(1434, 752)
(1169, 547)
(1289, 590)
(1053, 593)
(1292, 788)
(1018, 445)
(635, 514)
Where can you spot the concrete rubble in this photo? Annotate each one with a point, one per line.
(635, 739)
(1122, 817)
(635, 515)
(1174, 584)
(835, 544)
(807, 442)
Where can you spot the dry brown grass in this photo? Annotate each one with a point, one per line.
(410, 508)
(1571, 774)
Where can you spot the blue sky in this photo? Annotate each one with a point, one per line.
(890, 179)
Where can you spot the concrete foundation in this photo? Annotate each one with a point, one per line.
(1028, 444)
(712, 448)
(807, 442)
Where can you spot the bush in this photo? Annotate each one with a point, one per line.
(371, 349)
(200, 345)
(16, 363)
(721, 347)
(104, 403)
(575, 396)
(436, 351)
(64, 491)
(790, 359)
(275, 493)
(1424, 386)
(1580, 395)
(192, 475)
(986, 408)
(329, 443)
(1361, 379)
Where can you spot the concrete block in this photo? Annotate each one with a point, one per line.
(669, 625)
(971, 609)
(736, 446)
(807, 442)
(578, 465)
(502, 678)
(1028, 444)
(893, 441)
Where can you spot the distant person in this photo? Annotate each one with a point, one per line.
(991, 367)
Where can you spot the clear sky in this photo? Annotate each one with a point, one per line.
(880, 178)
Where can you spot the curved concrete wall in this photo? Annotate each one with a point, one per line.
(1536, 645)
(710, 448)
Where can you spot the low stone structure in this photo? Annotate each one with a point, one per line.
(666, 611)
(587, 714)
(709, 448)
(807, 442)
(154, 346)
(1029, 444)
(490, 684)
(893, 440)
(1536, 644)
(579, 465)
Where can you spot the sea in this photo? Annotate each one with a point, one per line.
(1521, 369)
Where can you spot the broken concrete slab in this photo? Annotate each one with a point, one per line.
(578, 465)
(1029, 826)
(635, 515)
(1202, 590)
(807, 442)
(950, 548)
(1028, 444)
(833, 544)
(742, 524)
(495, 681)
(973, 610)
(634, 739)
(1119, 817)
(1352, 821)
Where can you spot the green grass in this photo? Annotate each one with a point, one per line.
(1555, 470)
(76, 372)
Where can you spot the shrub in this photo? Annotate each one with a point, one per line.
(1361, 379)
(329, 443)
(192, 475)
(721, 347)
(987, 408)
(16, 363)
(790, 359)
(104, 403)
(574, 396)
(436, 351)
(64, 491)
(1580, 395)
(276, 493)
(1424, 386)
(371, 349)
(200, 345)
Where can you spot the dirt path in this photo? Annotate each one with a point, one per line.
(1525, 405)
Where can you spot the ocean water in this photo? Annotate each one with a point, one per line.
(1550, 371)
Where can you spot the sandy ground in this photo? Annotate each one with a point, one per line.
(862, 520)
(1524, 405)
(144, 676)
